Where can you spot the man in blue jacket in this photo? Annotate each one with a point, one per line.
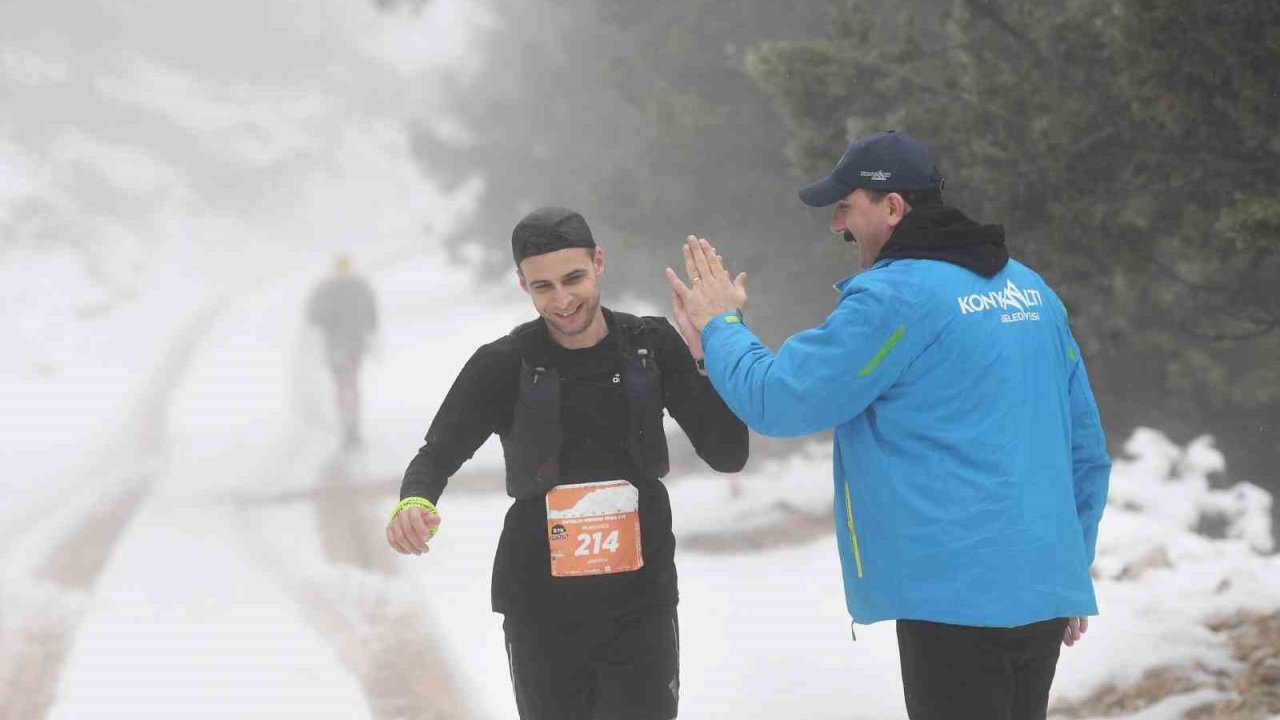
(970, 464)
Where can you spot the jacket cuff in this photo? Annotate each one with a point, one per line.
(731, 319)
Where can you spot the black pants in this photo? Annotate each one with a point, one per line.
(607, 669)
(957, 672)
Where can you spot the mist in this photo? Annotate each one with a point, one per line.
(182, 523)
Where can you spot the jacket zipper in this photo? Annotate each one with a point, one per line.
(853, 534)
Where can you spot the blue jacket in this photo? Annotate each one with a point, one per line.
(970, 465)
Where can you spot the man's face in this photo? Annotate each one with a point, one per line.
(565, 288)
(870, 223)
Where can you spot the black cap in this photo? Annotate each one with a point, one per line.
(884, 161)
(549, 229)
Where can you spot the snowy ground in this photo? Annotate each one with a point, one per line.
(179, 536)
(249, 579)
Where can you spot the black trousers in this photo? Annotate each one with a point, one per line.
(958, 672)
(604, 669)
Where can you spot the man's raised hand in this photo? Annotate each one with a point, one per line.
(710, 291)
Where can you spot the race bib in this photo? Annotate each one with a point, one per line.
(594, 528)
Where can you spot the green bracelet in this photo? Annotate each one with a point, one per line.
(415, 502)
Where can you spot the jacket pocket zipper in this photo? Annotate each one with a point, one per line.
(853, 534)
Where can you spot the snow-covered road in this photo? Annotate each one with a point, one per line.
(229, 561)
(223, 600)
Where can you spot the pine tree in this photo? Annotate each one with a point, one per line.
(1132, 150)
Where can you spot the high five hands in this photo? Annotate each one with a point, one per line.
(710, 291)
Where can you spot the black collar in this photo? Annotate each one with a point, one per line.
(939, 232)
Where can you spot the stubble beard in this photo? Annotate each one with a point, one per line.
(589, 310)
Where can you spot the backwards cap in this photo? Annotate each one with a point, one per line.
(549, 229)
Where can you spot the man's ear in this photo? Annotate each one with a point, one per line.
(898, 208)
(597, 259)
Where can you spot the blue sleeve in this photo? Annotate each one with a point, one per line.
(821, 377)
(1090, 464)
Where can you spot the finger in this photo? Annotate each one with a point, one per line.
(703, 255)
(397, 538)
(693, 256)
(409, 536)
(677, 285)
(691, 269)
(710, 250)
(418, 530)
(717, 264)
(715, 261)
(420, 526)
(740, 284)
(391, 540)
(1084, 625)
(406, 540)
(433, 524)
(677, 305)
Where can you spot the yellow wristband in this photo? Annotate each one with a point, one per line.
(734, 317)
(415, 502)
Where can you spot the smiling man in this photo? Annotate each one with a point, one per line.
(970, 465)
(585, 573)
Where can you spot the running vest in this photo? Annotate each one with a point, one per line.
(532, 446)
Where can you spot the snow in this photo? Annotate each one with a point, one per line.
(186, 617)
(213, 582)
(223, 577)
(179, 529)
(774, 490)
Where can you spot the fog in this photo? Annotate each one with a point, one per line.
(175, 179)
(236, 138)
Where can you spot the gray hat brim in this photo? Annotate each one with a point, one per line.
(824, 192)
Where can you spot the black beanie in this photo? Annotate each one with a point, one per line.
(549, 229)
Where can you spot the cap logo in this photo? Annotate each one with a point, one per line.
(877, 175)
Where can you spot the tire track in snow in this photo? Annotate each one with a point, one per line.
(35, 638)
(377, 622)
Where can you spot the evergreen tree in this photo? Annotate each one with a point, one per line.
(642, 117)
(1132, 150)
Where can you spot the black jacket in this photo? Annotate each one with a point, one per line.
(600, 440)
(483, 398)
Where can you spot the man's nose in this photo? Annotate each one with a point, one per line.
(837, 222)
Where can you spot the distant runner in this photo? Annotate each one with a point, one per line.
(585, 573)
(343, 308)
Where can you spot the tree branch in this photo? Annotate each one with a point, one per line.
(986, 10)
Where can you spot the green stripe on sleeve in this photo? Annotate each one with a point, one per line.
(884, 351)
